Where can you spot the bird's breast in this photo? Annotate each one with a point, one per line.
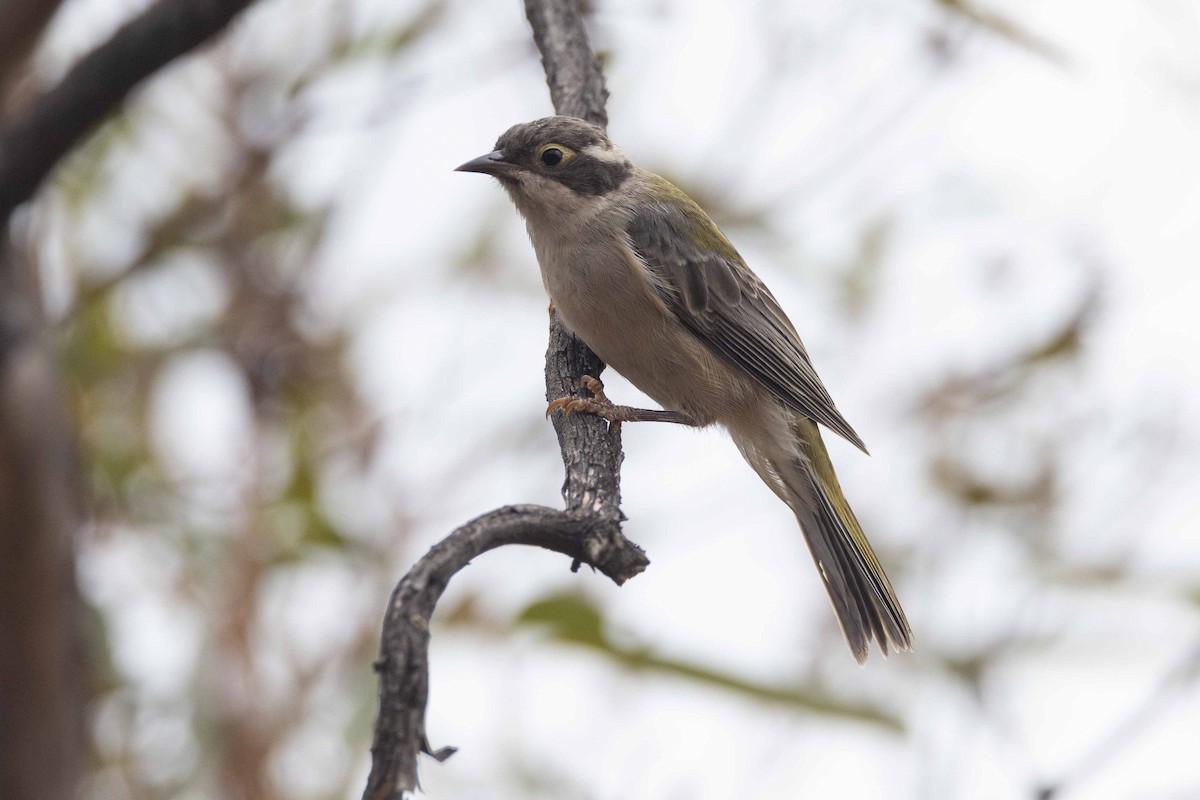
(603, 294)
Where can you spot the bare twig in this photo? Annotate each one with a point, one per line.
(588, 530)
(55, 122)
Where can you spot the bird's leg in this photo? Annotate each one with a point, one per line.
(601, 406)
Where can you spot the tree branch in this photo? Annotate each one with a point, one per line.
(403, 664)
(55, 122)
(572, 70)
(588, 530)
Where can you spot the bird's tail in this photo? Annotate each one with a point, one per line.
(866, 606)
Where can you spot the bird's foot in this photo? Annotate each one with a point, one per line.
(602, 407)
(597, 404)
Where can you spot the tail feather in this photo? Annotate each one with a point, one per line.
(867, 601)
(863, 599)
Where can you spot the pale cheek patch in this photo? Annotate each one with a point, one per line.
(566, 201)
(609, 155)
(551, 199)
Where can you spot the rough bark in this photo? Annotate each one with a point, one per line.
(588, 530)
(573, 71)
(403, 665)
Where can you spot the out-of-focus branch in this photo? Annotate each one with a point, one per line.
(54, 123)
(21, 25)
(588, 530)
(1007, 29)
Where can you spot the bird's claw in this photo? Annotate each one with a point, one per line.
(596, 387)
(597, 404)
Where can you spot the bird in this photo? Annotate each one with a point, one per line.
(644, 277)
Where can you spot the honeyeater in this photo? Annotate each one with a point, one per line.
(644, 277)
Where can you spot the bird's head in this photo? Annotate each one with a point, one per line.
(555, 165)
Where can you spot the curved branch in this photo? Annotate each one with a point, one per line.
(403, 665)
(588, 531)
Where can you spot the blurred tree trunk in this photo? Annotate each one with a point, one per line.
(43, 660)
(43, 657)
(43, 671)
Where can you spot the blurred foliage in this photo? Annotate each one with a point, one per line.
(392, 40)
(573, 618)
(224, 557)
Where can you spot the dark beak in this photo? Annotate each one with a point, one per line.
(491, 164)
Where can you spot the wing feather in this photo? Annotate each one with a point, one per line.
(708, 286)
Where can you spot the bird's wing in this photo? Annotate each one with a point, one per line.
(708, 286)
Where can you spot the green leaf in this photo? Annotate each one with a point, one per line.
(575, 619)
(569, 616)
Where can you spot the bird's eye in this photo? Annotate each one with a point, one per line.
(552, 156)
